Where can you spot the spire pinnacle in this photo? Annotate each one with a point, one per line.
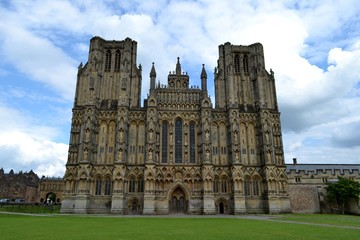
(203, 72)
(178, 67)
(153, 72)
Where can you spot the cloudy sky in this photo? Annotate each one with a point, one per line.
(312, 46)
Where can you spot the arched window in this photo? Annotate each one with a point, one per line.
(132, 184)
(140, 185)
(178, 141)
(247, 187)
(107, 186)
(164, 143)
(117, 61)
(98, 187)
(246, 64)
(223, 184)
(256, 187)
(108, 61)
(216, 185)
(192, 142)
(237, 63)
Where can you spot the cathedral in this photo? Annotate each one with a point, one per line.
(178, 153)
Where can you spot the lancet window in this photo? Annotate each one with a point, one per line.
(98, 186)
(216, 185)
(246, 64)
(117, 61)
(237, 63)
(164, 143)
(178, 140)
(192, 142)
(108, 186)
(108, 61)
(140, 183)
(132, 184)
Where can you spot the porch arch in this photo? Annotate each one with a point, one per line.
(178, 197)
(222, 206)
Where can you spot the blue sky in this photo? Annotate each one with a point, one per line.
(312, 46)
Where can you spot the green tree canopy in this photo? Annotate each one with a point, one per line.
(342, 191)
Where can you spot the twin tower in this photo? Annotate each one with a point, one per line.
(176, 154)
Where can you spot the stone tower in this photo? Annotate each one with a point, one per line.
(176, 153)
(246, 91)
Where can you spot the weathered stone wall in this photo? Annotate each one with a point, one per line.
(22, 185)
(354, 207)
(50, 186)
(304, 198)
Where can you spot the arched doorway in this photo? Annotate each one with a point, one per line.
(50, 198)
(221, 208)
(134, 207)
(178, 203)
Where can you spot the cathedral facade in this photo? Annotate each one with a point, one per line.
(178, 153)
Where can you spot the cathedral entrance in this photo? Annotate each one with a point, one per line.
(178, 202)
(134, 207)
(221, 208)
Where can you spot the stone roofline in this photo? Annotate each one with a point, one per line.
(333, 169)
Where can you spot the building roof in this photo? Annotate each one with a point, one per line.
(322, 167)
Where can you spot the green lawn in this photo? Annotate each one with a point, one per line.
(332, 219)
(102, 227)
(30, 208)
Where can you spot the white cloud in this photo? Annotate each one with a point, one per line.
(313, 48)
(38, 58)
(22, 151)
(25, 145)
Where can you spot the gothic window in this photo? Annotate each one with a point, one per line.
(252, 151)
(256, 187)
(192, 142)
(107, 186)
(132, 184)
(246, 64)
(102, 143)
(223, 184)
(117, 61)
(98, 187)
(237, 63)
(247, 187)
(140, 187)
(178, 141)
(108, 61)
(216, 185)
(164, 143)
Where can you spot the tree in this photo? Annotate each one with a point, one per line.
(342, 191)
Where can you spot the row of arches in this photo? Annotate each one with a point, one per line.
(178, 203)
(177, 143)
(103, 186)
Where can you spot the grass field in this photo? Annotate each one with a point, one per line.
(14, 226)
(30, 208)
